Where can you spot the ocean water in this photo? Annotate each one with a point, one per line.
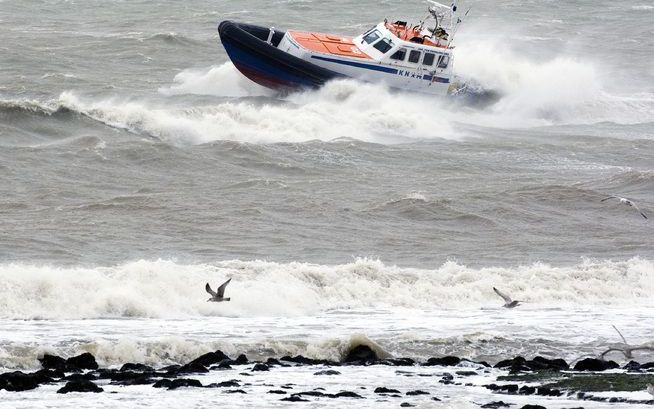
(136, 164)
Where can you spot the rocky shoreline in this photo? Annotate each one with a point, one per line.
(538, 377)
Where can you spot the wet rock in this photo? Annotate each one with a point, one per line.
(632, 366)
(544, 391)
(53, 362)
(361, 354)
(83, 361)
(192, 367)
(527, 390)
(226, 384)
(294, 398)
(396, 362)
(539, 363)
(164, 383)
(466, 373)
(595, 365)
(19, 381)
(49, 373)
(299, 359)
(171, 368)
(496, 405)
(133, 379)
(407, 405)
(273, 361)
(260, 367)
(348, 394)
(447, 377)
(80, 386)
(210, 358)
(182, 383)
(416, 393)
(223, 366)
(515, 365)
(386, 390)
(533, 407)
(241, 391)
(328, 372)
(647, 366)
(444, 361)
(278, 392)
(136, 368)
(435, 399)
(241, 360)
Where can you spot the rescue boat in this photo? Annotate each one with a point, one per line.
(408, 57)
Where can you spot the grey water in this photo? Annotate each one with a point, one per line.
(100, 166)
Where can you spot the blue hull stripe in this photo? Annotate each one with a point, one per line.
(357, 64)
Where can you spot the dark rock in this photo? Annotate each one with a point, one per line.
(138, 379)
(241, 360)
(49, 373)
(83, 361)
(648, 365)
(286, 387)
(544, 391)
(278, 392)
(78, 377)
(416, 393)
(273, 361)
(595, 365)
(396, 362)
(53, 362)
(533, 407)
(361, 353)
(183, 383)
(466, 373)
(407, 405)
(236, 391)
(435, 399)
(527, 390)
(327, 372)
(164, 383)
(348, 394)
(539, 363)
(444, 361)
(226, 384)
(224, 365)
(80, 386)
(210, 358)
(507, 363)
(632, 366)
(294, 398)
(299, 359)
(19, 381)
(496, 405)
(192, 367)
(171, 368)
(511, 389)
(386, 390)
(136, 368)
(260, 367)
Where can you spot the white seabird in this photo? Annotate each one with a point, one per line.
(508, 302)
(627, 202)
(650, 389)
(218, 295)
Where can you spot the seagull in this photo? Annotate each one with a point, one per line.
(508, 302)
(217, 296)
(650, 389)
(627, 202)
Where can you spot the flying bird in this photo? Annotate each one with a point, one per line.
(627, 202)
(508, 302)
(218, 295)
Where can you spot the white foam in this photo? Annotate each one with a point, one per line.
(167, 289)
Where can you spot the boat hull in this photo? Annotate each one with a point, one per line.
(266, 65)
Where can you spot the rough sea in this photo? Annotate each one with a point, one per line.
(137, 164)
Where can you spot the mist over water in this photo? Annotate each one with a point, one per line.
(137, 164)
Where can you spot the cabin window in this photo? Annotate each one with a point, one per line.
(372, 37)
(428, 60)
(414, 56)
(443, 61)
(384, 45)
(399, 55)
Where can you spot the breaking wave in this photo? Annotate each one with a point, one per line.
(166, 289)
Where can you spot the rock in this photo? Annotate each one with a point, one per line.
(511, 389)
(407, 405)
(78, 377)
(226, 384)
(19, 381)
(192, 367)
(181, 383)
(299, 359)
(294, 398)
(236, 391)
(361, 354)
(648, 365)
(466, 373)
(49, 373)
(416, 393)
(210, 358)
(632, 366)
(533, 407)
(386, 390)
(164, 383)
(278, 392)
(444, 361)
(273, 361)
(53, 362)
(539, 363)
(241, 360)
(136, 368)
(83, 361)
(595, 365)
(348, 394)
(527, 390)
(327, 372)
(496, 405)
(260, 367)
(81, 386)
(397, 362)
